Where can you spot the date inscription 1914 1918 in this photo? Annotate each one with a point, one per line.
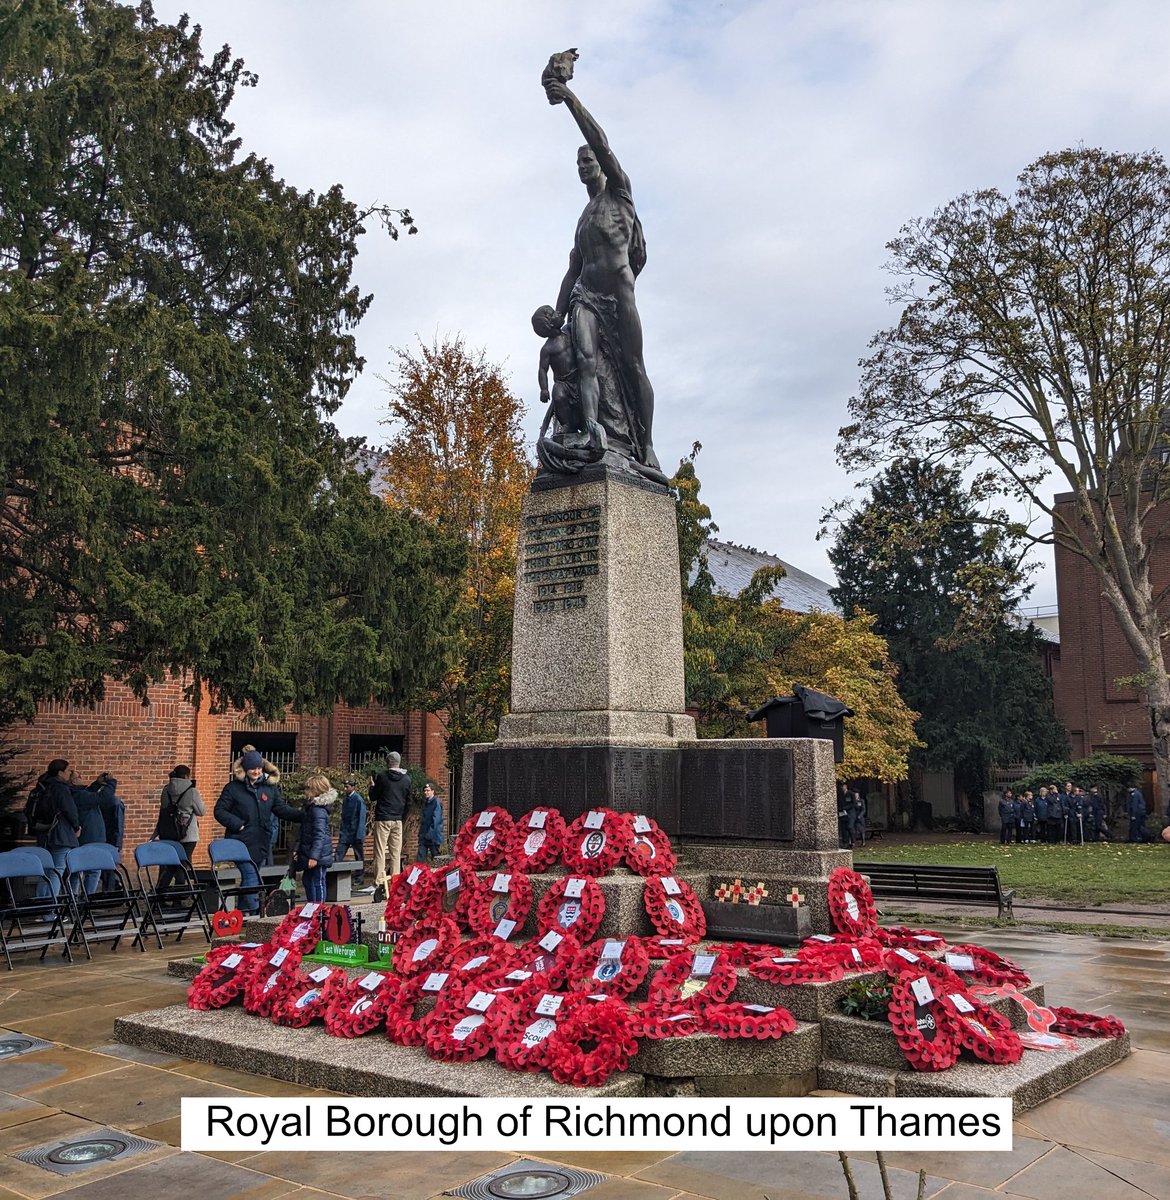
(561, 556)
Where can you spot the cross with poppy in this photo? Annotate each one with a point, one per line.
(795, 897)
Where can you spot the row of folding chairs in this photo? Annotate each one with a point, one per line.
(93, 899)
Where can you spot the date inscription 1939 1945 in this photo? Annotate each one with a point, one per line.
(561, 553)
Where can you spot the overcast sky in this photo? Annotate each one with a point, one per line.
(774, 147)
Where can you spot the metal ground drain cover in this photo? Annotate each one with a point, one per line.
(77, 1154)
(531, 1180)
(12, 1045)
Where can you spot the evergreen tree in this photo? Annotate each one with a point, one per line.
(941, 586)
(175, 332)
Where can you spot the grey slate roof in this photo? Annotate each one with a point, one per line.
(733, 567)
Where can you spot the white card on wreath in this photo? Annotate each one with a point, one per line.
(594, 819)
(961, 1002)
(434, 981)
(550, 941)
(922, 990)
(372, 982)
(960, 962)
(412, 878)
(501, 883)
(574, 888)
(703, 965)
(537, 818)
(232, 961)
(670, 885)
(453, 881)
(309, 910)
(641, 824)
(481, 1001)
(278, 957)
(504, 929)
(484, 820)
(320, 974)
(549, 1004)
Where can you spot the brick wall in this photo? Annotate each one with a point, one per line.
(140, 744)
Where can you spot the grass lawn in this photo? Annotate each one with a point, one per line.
(1105, 873)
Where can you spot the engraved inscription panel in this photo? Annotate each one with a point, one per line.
(736, 793)
(561, 557)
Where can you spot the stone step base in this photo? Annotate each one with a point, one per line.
(368, 1066)
(1037, 1077)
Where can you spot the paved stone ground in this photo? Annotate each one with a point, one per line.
(1108, 1139)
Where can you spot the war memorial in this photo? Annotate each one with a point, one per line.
(628, 909)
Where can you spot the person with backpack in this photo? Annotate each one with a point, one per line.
(52, 819)
(180, 807)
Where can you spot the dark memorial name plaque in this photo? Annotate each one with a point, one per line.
(562, 555)
(700, 793)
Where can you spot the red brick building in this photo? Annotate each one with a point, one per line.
(1099, 712)
(140, 744)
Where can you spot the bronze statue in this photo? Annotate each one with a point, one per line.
(605, 409)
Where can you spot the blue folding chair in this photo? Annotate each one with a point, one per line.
(31, 922)
(101, 916)
(230, 863)
(177, 909)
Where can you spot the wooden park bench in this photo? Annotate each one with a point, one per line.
(950, 885)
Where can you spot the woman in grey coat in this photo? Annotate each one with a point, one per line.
(180, 807)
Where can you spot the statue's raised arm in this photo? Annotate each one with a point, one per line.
(612, 411)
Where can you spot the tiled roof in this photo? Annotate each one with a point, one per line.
(733, 567)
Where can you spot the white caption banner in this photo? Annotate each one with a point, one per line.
(521, 1126)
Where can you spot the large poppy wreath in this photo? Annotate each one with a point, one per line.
(991, 968)
(673, 908)
(694, 978)
(522, 1024)
(484, 959)
(759, 1021)
(483, 840)
(856, 954)
(536, 840)
(360, 1006)
(667, 947)
(456, 889)
(986, 1033)
(416, 998)
(927, 1034)
(504, 896)
(459, 1031)
(591, 1044)
(272, 971)
(426, 947)
(595, 842)
(902, 936)
(579, 914)
(300, 929)
(851, 903)
(648, 849)
(1083, 1024)
(548, 958)
(788, 969)
(609, 967)
(222, 980)
(657, 1022)
(307, 997)
(413, 896)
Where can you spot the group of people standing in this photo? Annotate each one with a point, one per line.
(1069, 815)
(852, 811)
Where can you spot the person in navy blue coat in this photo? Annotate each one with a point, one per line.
(1136, 811)
(1009, 815)
(352, 834)
(314, 853)
(430, 830)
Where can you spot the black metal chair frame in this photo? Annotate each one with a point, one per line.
(38, 921)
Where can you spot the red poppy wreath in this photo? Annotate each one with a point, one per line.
(986, 1033)
(657, 1022)
(790, 969)
(667, 947)
(536, 841)
(413, 896)
(548, 958)
(222, 980)
(482, 959)
(591, 1044)
(694, 978)
(426, 947)
(483, 840)
(501, 905)
(609, 967)
(673, 908)
(459, 1032)
(909, 939)
(360, 1005)
(1083, 1024)
(851, 903)
(648, 849)
(991, 968)
(457, 888)
(739, 954)
(575, 905)
(927, 1034)
(300, 929)
(759, 1021)
(415, 998)
(860, 954)
(271, 973)
(522, 1024)
(308, 996)
(595, 842)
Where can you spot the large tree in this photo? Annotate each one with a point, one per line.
(456, 458)
(1034, 342)
(742, 649)
(175, 331)
(941, 588)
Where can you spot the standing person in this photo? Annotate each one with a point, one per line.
(390, 795)
(314, 852)
(180, 807)
(1040, 829)
(52, 818)
(844, 824)
(1055, 814)
(247, 808)
(352, 834)
(94, 803)
(1100, 817)
(1076, 817)
(430, 829)
(1027, 820)
(1009, 814)
(860, 812)
(1136, 811)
